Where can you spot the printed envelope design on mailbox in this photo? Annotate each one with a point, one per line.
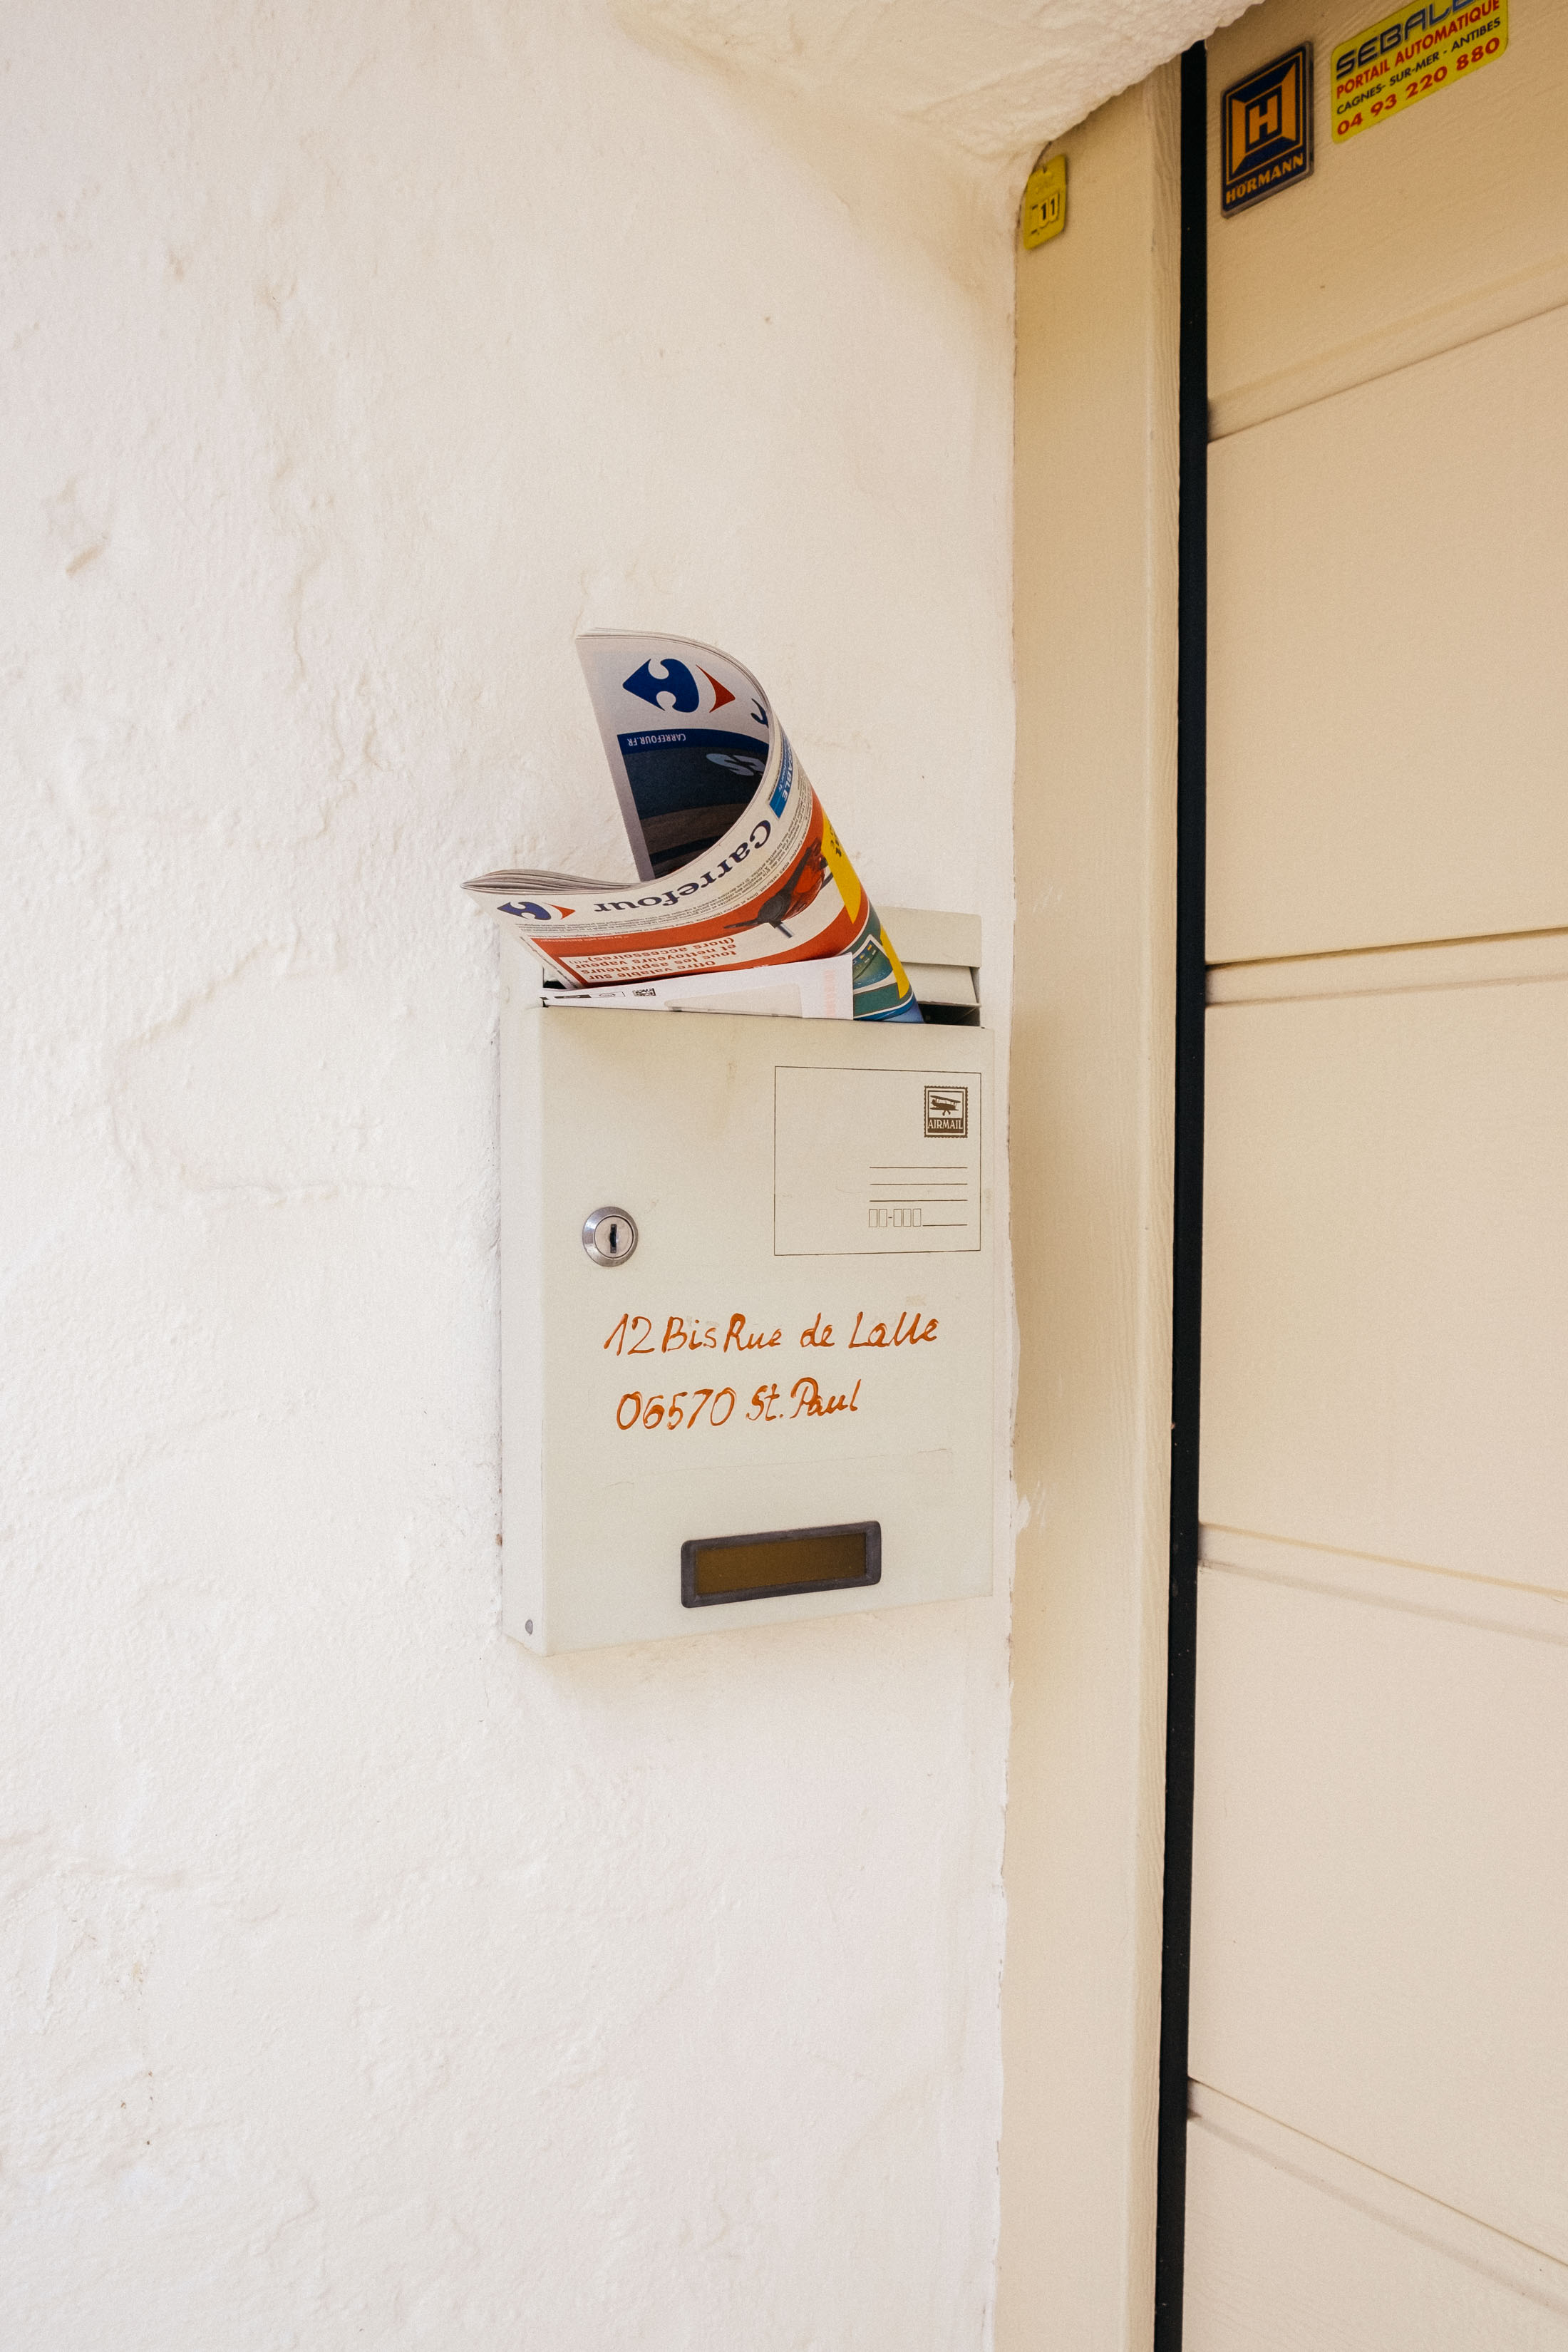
(947, 1110)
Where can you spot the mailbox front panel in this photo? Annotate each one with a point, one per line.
(799, 1345)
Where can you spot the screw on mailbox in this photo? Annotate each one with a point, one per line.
(609, 1236)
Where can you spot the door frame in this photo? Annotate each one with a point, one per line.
(1187, 1217)
(1093, 1148)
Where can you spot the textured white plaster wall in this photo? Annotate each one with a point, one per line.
(367, 1981)
(993, 79)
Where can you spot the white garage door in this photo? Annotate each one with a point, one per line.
(1378, 2153)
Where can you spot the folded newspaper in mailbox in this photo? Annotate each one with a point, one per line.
(740, 871)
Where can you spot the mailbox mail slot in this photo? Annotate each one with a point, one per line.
(718, 1569)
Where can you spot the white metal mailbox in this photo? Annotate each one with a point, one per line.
(746, 1319)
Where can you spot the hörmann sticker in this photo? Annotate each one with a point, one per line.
(1383, 70)
(1266, 131)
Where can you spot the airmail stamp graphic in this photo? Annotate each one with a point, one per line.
(947, 1110)
(1266, 131)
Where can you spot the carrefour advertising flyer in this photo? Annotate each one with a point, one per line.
(737, 865)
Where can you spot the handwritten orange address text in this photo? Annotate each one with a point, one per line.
(715, 1406)
(633, 1335)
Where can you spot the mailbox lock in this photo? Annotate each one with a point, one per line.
(609, 1236)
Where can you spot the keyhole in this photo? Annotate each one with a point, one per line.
(609, 1236)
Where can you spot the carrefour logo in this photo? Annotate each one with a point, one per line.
(670, 686)
(536, 913)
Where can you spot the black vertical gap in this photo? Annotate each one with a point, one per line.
(1187, 1239)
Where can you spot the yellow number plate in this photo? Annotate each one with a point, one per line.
(1045, 202)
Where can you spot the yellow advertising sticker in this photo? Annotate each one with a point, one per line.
(1381, 73)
